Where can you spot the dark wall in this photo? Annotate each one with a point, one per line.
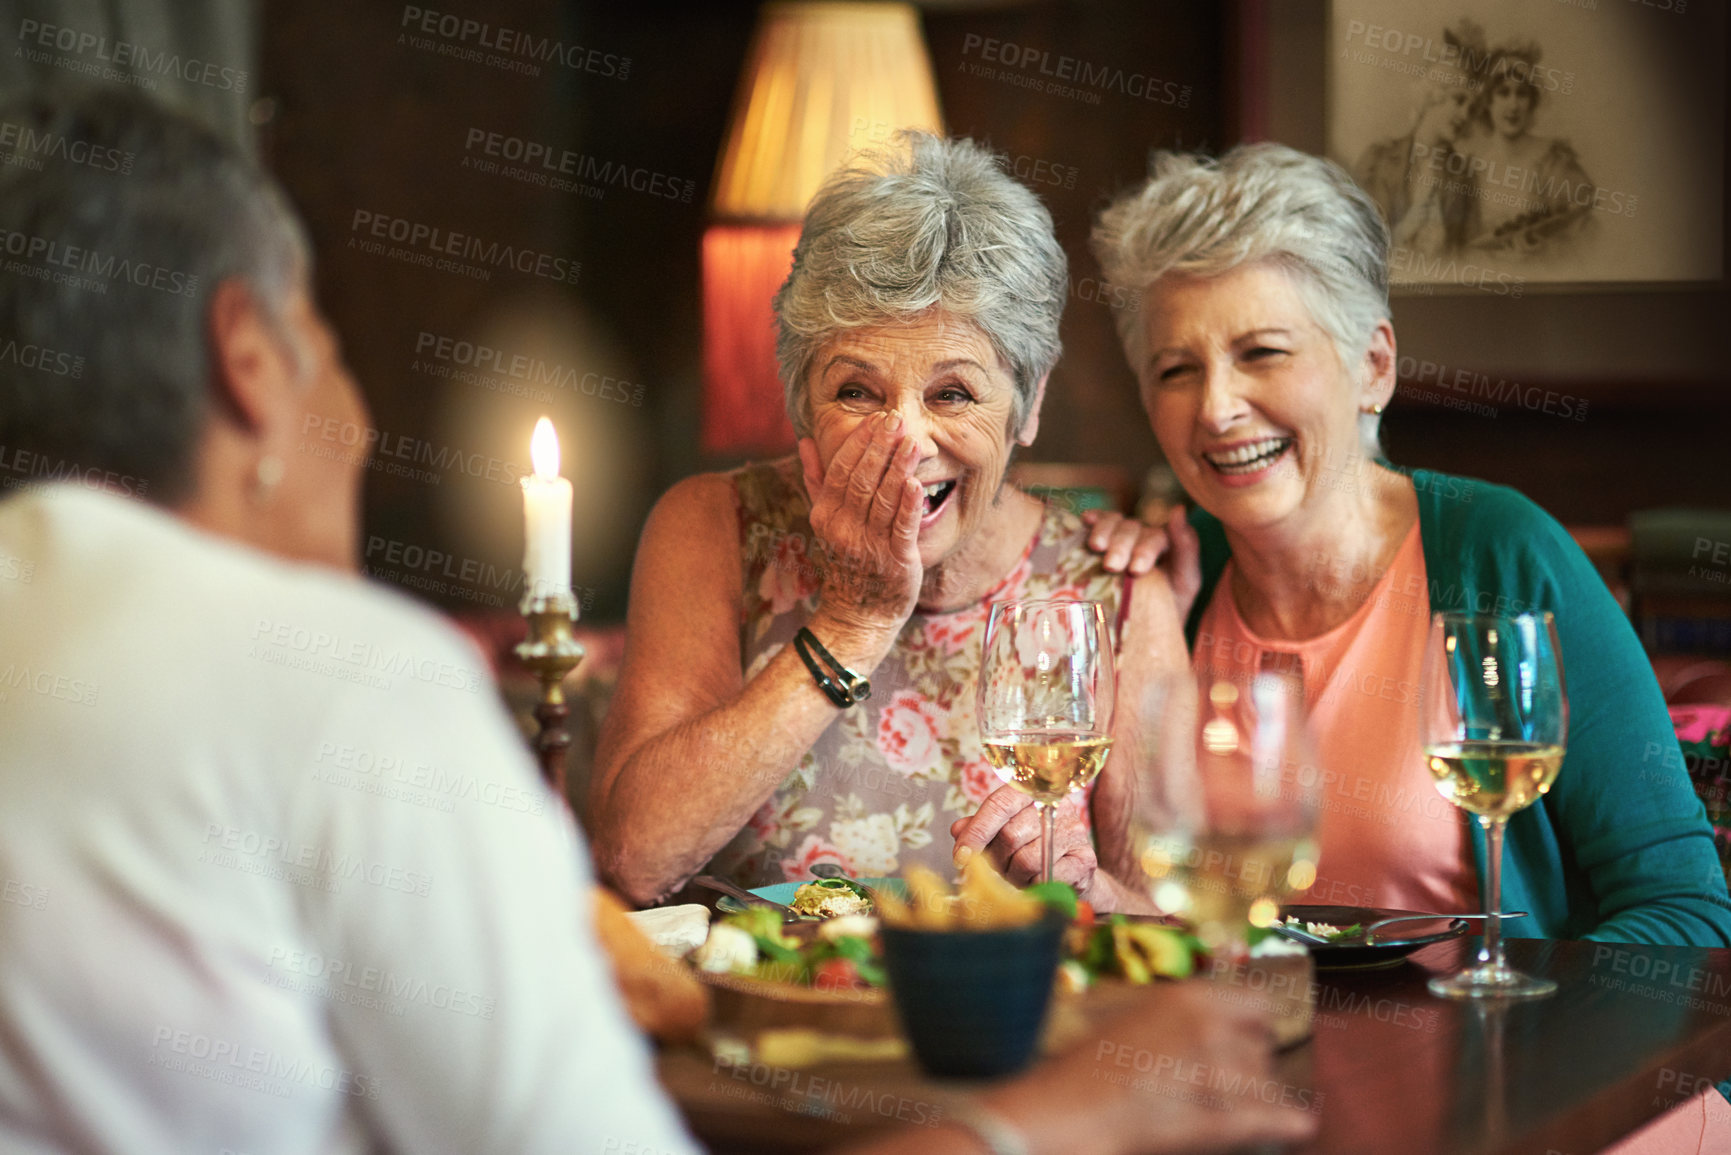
(373, 117)
(1623, 395)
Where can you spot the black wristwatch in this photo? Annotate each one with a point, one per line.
(845, 688)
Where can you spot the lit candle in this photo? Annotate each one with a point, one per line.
(547, 515)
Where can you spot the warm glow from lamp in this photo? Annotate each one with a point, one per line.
(821, 81)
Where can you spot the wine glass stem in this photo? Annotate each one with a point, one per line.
(1048, 834)
(1491, 952)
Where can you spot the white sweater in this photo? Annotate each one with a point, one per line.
(277, 873)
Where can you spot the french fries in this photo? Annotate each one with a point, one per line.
(985, 901)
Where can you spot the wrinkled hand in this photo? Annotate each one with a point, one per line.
(865, 513)
(1135, 548)
(1148, 1081)
(1007, 828)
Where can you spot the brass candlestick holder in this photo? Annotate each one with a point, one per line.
(551, 651)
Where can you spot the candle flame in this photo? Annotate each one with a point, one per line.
(544, 450)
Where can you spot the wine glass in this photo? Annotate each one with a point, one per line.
(1226, 795)
(1045, 699)
(1493, 719)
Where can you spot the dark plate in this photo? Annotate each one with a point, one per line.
(1390, 947)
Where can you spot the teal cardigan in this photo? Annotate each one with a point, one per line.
(1620, 849)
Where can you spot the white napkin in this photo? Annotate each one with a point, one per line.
(676, 931)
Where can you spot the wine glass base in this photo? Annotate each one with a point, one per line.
(1490, 981)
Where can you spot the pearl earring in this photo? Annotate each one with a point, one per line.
(267, 477)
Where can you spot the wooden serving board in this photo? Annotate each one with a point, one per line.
(743, 1006)
(759, 1108)
(1284, 986)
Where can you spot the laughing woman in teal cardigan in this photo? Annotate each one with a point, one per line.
(1262, 344)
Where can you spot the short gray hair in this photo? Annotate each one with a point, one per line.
(928, 222)
(1198, 216)
(113, 236)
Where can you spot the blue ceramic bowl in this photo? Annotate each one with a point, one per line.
(972, 1002)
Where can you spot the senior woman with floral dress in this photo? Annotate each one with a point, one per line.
(1265, 357)
(915, 334)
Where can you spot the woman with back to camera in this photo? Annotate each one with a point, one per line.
(1265, 357)
(916, 332)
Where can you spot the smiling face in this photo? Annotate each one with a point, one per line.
(1511, 107)
(956, 398)
(1247, 396)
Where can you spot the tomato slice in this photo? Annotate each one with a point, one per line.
(837, 974)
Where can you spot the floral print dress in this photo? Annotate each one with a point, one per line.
(879, 789)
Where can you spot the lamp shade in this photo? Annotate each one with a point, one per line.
(821, 81)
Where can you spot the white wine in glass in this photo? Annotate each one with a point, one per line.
(1045, 699)
(1223, 823)
(1494, 720)
(1047, 767)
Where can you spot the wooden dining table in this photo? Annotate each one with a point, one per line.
(1632, 1034)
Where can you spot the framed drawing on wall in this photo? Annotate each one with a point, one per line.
(1551, 141)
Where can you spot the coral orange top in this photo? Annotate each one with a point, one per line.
(1388, 838)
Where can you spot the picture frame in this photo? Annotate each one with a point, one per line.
(1515, 148)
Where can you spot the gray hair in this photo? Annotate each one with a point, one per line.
(929, 222)
(118, 219)
(1198, 216)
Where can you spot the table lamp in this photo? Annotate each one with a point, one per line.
(821, 81)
